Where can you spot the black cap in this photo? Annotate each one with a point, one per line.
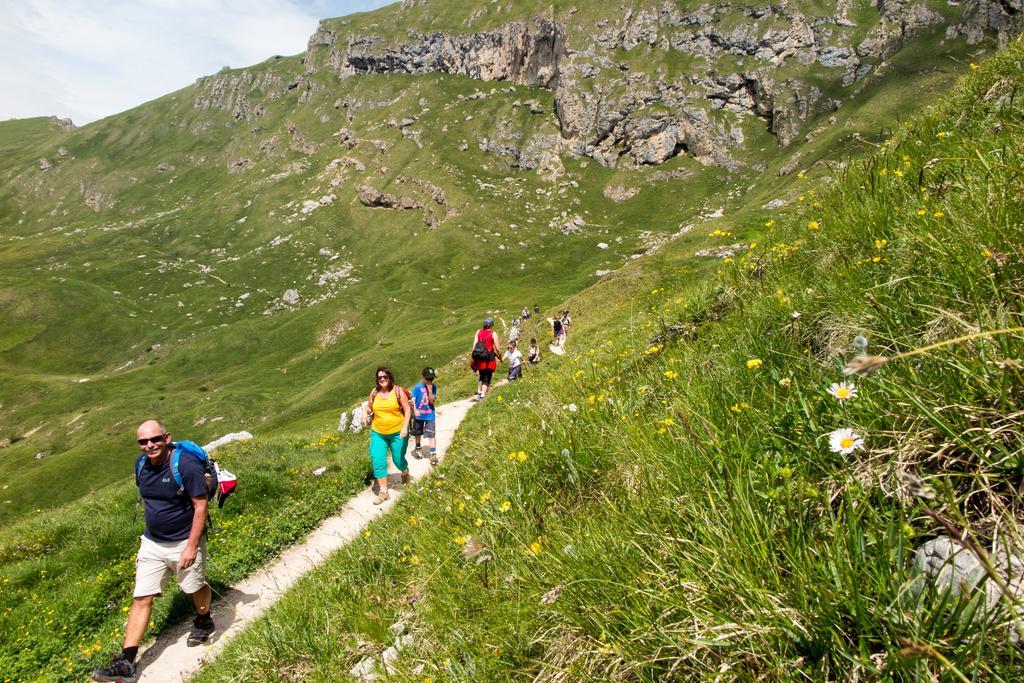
(428, 373)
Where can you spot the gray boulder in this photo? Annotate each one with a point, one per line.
(950, 566)
(226, 439)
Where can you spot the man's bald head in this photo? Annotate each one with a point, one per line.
(151, 428)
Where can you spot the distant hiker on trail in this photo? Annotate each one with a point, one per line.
(533, 354)
(389, 430)
(566, 320)
(559, 331)
(423, 424)
(484, 356)
(515, 362)
(174, 541)
(526, 313)
(536, 309)
(513, 334)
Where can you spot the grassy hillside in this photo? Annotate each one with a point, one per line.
(144, 271)
(664, 503)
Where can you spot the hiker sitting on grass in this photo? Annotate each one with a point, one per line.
(389, 430)
(533, 354)
(174, 542)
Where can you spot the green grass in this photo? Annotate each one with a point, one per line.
(167, 284)
(154, 305)
(688, 519)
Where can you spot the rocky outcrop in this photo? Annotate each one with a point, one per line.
(608, 112)
(65, 125)
(526, 54)
(94, 198)
(620, 193)
(372, 197)
(232, 92)
(1001, 17)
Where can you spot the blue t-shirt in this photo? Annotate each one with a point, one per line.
(421, 401)
(168, 513)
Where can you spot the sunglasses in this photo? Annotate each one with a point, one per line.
(153, 439)
(380, 377)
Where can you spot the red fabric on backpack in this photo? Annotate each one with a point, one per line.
(487, 337)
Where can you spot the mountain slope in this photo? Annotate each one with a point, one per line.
(221, 256)
(667, 502)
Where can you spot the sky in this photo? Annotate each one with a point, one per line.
(87, 59)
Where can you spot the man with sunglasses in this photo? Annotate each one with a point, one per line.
(174, 542)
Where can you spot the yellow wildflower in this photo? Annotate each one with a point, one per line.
(754, 363)
(671, 374)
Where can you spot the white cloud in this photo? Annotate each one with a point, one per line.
(88, 59)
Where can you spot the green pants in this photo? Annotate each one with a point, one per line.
(380, 444)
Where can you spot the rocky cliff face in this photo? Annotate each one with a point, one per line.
(750, 65)
(525, 54)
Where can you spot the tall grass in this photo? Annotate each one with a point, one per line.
(664, 505)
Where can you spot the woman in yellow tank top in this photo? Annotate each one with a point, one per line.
(389, 430)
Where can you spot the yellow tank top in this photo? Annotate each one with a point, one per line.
(387, 414)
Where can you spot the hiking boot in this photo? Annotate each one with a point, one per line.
(381, 497)
(433, 459)
(405, 477)
(201, 631)
(417, 452)
(120, 669)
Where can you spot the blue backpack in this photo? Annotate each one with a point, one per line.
(193, 450)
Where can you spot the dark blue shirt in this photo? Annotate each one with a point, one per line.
(169, 513)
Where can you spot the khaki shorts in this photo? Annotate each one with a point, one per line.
(157, 560)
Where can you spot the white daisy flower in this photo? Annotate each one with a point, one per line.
(845, 441)
(843, 390)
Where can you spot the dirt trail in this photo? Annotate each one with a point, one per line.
(170, 660)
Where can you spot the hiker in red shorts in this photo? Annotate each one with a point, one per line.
(484, 356)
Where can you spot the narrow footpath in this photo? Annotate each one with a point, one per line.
(170, 660)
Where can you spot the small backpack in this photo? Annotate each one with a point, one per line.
(481, 353)
(219, 482)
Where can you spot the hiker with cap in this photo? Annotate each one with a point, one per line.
(174, 487)
(423, 423)
(389, 430)
(484, 356)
